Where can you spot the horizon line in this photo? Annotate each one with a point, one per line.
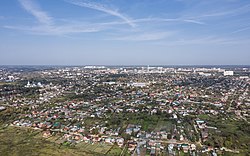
(72, 65)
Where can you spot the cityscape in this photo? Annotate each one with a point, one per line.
(124, 78)
(99, 110)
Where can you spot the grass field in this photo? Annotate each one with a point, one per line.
(97, 147)
(163, 125)
(17, 141)
(114, 151)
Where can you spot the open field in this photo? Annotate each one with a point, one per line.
(17, 141)
(163, 125)
(114, 151)
(97, 147)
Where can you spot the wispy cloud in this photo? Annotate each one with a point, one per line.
(224, 12)
(150, 19)
(47, 24)
(147, 28)
(210, 40)
(103, 8)
(240, 30)
(145, 36)
(154, 20)
(55, 30)
(35, 10)
(194, 21)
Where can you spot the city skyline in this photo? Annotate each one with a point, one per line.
(109, 32)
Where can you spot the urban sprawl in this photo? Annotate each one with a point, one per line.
(135, 110)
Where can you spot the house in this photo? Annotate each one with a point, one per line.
(185, 147)
(152, 152)
(2, 108)
(46, 134)
(110, 140)
(131, 145)
(193, 147)
(120, 142)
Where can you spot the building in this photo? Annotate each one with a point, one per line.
(228, 73)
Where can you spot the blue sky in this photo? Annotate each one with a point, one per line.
(125, 32)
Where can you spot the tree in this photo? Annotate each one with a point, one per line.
(126, 136)
(169, 136)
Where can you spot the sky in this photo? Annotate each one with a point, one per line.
(124, 32)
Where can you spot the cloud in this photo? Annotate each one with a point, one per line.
(168, 20)
(240, 30)
(47, 24)
(227, 12)
(194, 21)
(35, 10)
(150, 20)
(210, 40)
(145, 36)
(100, 7)
(55, 30)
